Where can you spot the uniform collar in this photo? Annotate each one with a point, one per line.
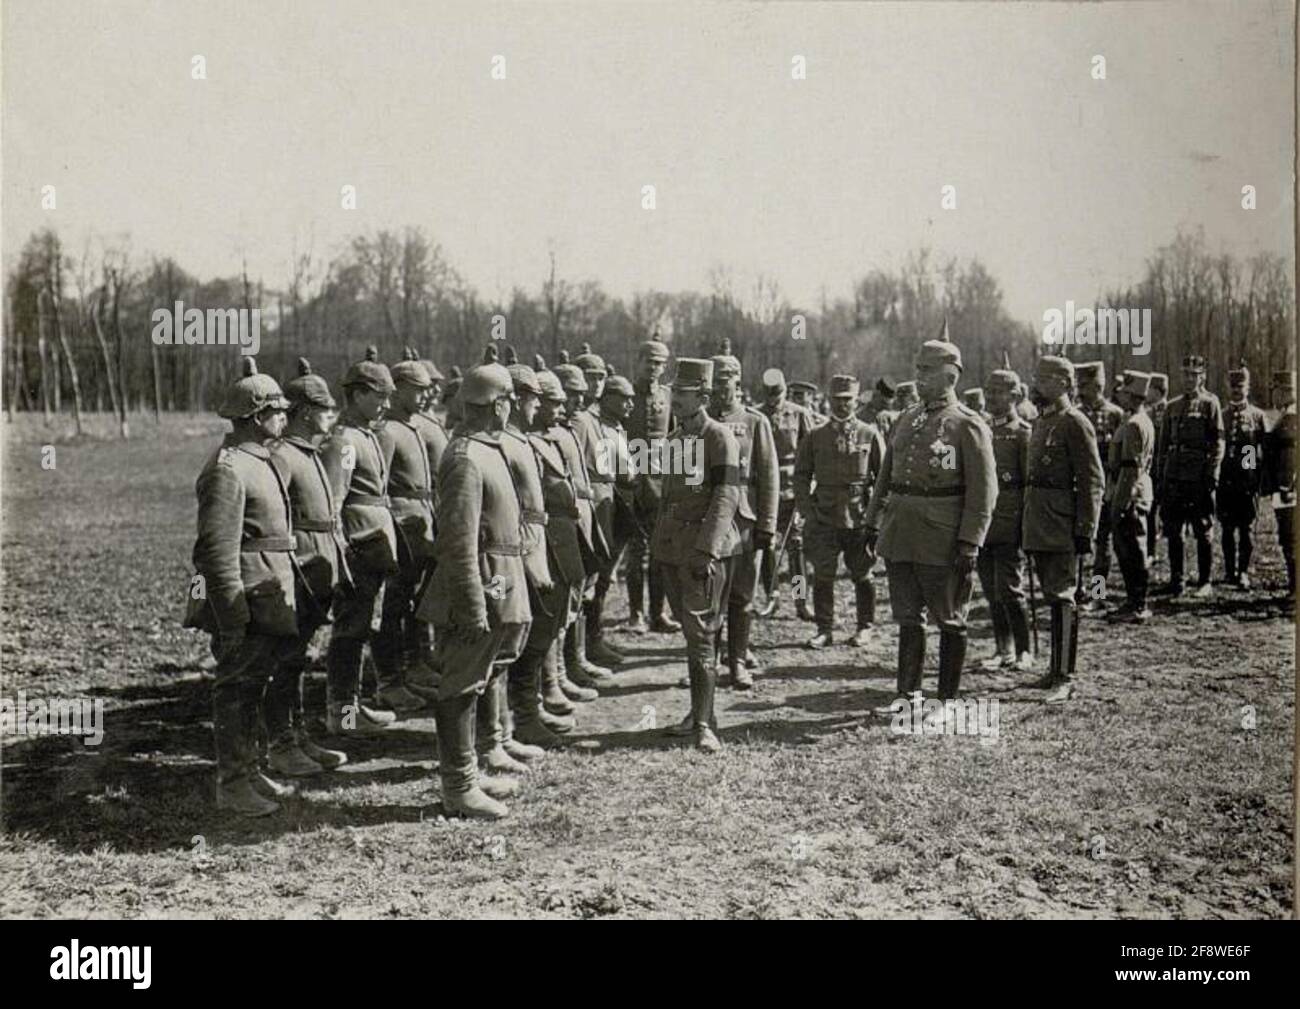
(948, 398)
(249, 445)
(1060, 405)
(306, 444)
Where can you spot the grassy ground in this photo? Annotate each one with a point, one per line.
(1163, 790)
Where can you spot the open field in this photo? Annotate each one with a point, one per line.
(1163, 790)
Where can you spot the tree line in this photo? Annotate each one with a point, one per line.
(78, 326)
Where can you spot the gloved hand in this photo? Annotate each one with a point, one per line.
(1082, 545)
(965, 562)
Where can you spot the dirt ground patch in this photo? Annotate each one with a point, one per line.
(1163, 790)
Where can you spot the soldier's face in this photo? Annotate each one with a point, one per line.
(688, 402)
(1090, 390)
(370, 403)
(774, 396)
(1283, 395)
(1050, 387)
(575, 400)
(726, 391)
(323, 419)
(620, 406)
(651, 370)
(1239, 392)
(500, 412)
(933, 380)
(432, 396)
(408, 397)
(548, 412)
(999, 399)
(842, 407)
(271, 423)
(528, 405)
(1192, 378)
(799, 397)
(1155, 395)
(595, 386)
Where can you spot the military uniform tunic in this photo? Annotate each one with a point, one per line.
(1189, 456)
(1279, 482)
(555, 609)
(1001, 562)
(760, 491)
(1129, 501)
(1244, 429)
(832, 481)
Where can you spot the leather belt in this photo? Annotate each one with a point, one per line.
(315, 525)
(532, 516)
(505, 550)
(911, 491)
(411, 495)
(370, 500)
(1045, 485)
(269, 544)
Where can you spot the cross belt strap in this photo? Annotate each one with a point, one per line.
(315, 525)
(910, 490)
(371, 500)
(268, 544)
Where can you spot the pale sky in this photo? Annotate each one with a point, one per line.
(1065, 184)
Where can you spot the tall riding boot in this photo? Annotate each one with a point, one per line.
(703, 685)
(1245, 550)
(635, 587)
(591, 673)
(952, 656)
(864, 603)
(911, 658)
(236, 755)
(1229, 554)
(800, 589)
(1018, 622)
(1000, 614)
(660, 620)
(1204, 560)
(1176, 577)
(531, 738)
(457, 768)
(491, 729)
(344, 712)
(823, 612)
(1054, 666)
(738, 622)
(597, 649)
(386, 647)
(553, 697)
(419, 675)
(282, 702)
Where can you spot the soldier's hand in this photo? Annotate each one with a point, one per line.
(871, 538)
(477, 629)
(965, 562)
(762, 540)
(700, 564)
(1082, 545)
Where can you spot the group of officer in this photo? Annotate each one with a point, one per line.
(467, 530)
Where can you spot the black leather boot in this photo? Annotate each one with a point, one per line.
(952, 657)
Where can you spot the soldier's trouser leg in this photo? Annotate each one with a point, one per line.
(908, 601)
(853, 544)
(354, 611)
(491, 727)
(636, 574)
(1130, 549)
(1246, 550)
(699, 608)
(550, 616)
(740, 601)
(823, 547)
(1228, 534)
(388, 645)
(1286, 540)
(1204, 550)
(243, 670)
(947, 598)
(467, 665)
(1174, 536)
(986, 568)
(824, 603)
(655, 577)
(283, 703)
(1057, 574)
(1101, 553)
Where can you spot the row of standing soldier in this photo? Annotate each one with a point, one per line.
(498, 541)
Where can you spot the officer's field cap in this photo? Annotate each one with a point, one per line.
(1239, 376)
(1090, 371)
(1136, 383)
(486, 383)
(252, 393)
(801, 386)
(1004, 379)
(973, 398)
(309, 388)
(1193, 362)
(369, 373)
(885, 387)
(620, 386)
(724, 367)
(410, 373)
(655, 350)
(1284, 380)
(774, 378)
(939, 352)
(843, 385)
(1056, 367)
(571, 378)
(592, 364)
(1159, 380)
(693, 373)
(549, 383)
(524, 379)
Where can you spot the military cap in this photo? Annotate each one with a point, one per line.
(885, 387)
(549, 383)
(591, 363)
(844, 385)
(486, 383)
(412, 373)
(693, 373)
(973, 398)
(1056, 367)
(1239, 376)
(774, 378)
(370, 373)
(1284, 380)
(251, 393)
(434, 374)
(539, 362)
(1136, 383)
(618, 384)
(807, 387)
(308, 387)
(1092, 370)
(939, 352)
(1159, 380)
(905, 389)
(524, 379)
(1002, 378)
(571, 378)
(655, 350)
(725, 366)
(1194, 362)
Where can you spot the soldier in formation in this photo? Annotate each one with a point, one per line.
(791, 424)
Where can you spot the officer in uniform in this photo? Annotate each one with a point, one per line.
(556, 607)
(577, 677)
(611, 471)
(1244, 429)
(696, 538)
(595, 371)
(648, 424)
(1279, 471)
(879, 409)
(833, 476)
(760, 490)
(932, 504)
(791, 424)
(397, 647)
(578, 424)
(1001, 563)
(1189, 453)
(243, 594)
(1157, 403)
(320, 565)
(358, 470)
(1063, 495)
(477, 599)
(1129, 494)
(1105, 418)
(802, 394)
